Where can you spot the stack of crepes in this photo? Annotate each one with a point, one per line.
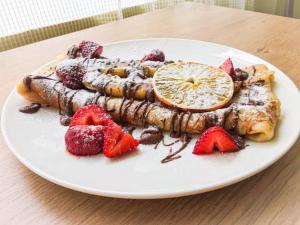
(125, 90)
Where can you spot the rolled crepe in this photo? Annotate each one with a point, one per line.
(253, 111)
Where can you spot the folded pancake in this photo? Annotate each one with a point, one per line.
(253, 111)
(259, 107)
(113, 77)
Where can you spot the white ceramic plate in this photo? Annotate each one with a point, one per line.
(37, 140)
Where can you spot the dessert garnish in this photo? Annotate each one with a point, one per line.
(215, 137)
(32, 108)
(240, 74)
(185, 139)
(71, 72)
(227, 66)
(193, 86)
(155, 55)
(90, 49)
(117, 142)
(95, 123)
(236, 74)
(87, 49)
(151, 135)
(90, 115)
(84, 140)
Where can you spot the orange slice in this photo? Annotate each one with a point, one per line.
(193, 86)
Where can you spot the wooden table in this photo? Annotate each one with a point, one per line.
(272, 196)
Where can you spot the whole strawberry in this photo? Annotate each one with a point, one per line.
(84, 140)
(90, 49)
(71, 72)
(155, 55)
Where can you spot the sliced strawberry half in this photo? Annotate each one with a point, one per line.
(215, 137)
(117, 142)
(90, 115)
(112, 135)
(227, 66)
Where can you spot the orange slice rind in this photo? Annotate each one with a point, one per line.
(193, 86)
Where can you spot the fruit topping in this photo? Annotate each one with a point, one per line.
(227, 66)
(117, 142)
(193, 86)
(90, 49)
(215, 137)
(90, 115)
(236, 74)
(154, 55)
(71, 72)
(84, 140)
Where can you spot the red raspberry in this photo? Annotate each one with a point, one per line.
(155, 55)
(84, 140)
(90, 49)
(71, 72)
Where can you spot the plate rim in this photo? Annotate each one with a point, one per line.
(150, 195)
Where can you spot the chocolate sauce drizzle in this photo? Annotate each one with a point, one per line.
(27, 82)
(58, 98)
(130, 86)
(169, 144)
(28, 79)
(185, 139)
(65, 120)
(124, 109)
(68, 103)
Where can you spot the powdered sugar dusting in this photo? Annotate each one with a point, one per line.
(194, 85)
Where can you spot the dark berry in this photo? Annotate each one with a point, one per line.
(241, 74)
(155, 55)
(90, 49)
(71, 72)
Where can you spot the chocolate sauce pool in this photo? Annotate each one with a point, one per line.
(32, 108)
(151, 135)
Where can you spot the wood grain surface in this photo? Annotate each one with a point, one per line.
(270, 197)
